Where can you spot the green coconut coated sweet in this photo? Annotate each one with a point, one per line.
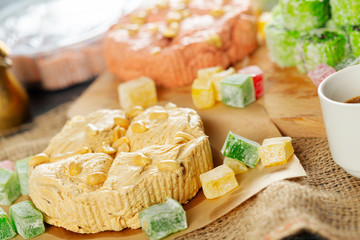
(345, 12)
(276, 11)
(304, 15)
(281, 43)
(348, 61)
(354, 38)
(320, 46)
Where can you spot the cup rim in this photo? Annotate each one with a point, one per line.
(335, 75)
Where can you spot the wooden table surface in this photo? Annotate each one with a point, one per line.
(290, 98)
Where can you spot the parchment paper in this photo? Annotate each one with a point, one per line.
(251, 122)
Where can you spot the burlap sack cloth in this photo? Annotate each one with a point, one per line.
(326, 202)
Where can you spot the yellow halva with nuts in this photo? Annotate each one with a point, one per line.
(101, 170)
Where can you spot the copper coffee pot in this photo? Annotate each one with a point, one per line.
(14, 101)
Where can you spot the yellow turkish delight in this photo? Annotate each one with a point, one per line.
(216, 79)
(264, 19)
(218, 181)
(137, 92)
(237, 166)
(203, 93)
(276, 151)
(206, 73)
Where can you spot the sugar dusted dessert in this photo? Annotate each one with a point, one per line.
(9, 187)
(103, 169)
(27, 220)
(7, 231)
(276, 151)
(242, 149)
(218, 181)
(161, 220)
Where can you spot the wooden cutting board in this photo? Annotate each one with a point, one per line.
(251, 122)
(290, 98)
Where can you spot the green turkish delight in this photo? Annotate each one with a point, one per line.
(276, 12)
(320, 46)
(9, 187)
(242, 149)
(27, 220)
(345, 12)
(22, 170)
(304, 15)
(281, 43)
(161, 220)
(354, 38)
(7, 231)
(349, 61)
(237, 90)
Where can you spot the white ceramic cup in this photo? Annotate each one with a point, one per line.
(342, 120)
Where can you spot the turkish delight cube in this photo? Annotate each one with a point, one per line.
(321, 72)
(354, 37)
(320, 46)
(276, 151)
(304, 15)
(9, 187)
(137, 92)
(349, 61)
(242, 149)
(203, 93)
(276, 12)
(257, 75)
(237, 166)
(345, 12)
(218, 181)
(237, 90)
(281, 43)
(161, 220)
(217, 78)
(22, 170)
(7, 231)
(206, 73)
(264, 19)
(7, 164)
(27, 220)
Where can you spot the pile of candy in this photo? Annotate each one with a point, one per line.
(233, 89)
(241, 153)
(161, 220)
(24, 218)
(214, 84)
(13, 180)
(317, 36)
